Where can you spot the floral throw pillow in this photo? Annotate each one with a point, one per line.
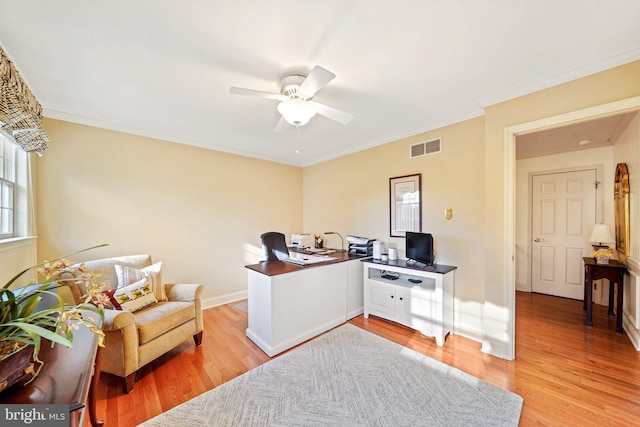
(133, 297)
(153, 273)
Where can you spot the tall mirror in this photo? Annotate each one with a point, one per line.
(621, 203)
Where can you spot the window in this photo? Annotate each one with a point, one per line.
(7, 186)
(16, 204)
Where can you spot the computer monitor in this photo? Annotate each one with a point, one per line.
(419, 247)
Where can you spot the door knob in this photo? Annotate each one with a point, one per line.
(536, 239)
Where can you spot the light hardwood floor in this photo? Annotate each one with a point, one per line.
(568, 374)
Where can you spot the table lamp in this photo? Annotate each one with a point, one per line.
(600, 236)
(341, 239)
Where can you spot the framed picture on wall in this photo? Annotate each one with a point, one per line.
(621, 205)
(405, 204)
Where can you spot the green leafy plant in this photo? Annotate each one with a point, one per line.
(22, 323)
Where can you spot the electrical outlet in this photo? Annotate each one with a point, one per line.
(448, 213)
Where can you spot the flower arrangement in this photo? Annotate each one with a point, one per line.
(603, 253)
(22, 323)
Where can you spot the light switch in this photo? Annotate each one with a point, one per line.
(448, 213)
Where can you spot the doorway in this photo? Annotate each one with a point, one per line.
(510, 133)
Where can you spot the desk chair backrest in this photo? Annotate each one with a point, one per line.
(274, 246)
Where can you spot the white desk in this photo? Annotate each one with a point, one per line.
(289, 304)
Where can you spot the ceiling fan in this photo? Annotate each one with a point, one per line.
(296, 93)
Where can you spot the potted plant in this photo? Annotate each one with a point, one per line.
(24, 324)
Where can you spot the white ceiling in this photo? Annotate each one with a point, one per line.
(163, 68)
(581, 136)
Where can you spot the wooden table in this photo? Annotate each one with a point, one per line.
(69, 376)
(614, 272)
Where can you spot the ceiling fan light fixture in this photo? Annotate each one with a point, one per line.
(296, 111)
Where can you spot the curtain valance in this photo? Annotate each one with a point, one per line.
(20, 111)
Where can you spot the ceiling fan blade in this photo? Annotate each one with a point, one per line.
(332, 113)
(282, 125)
(250, 92)
(317, 78)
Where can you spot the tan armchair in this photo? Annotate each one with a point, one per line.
(134, 339)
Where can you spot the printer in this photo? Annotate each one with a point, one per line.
(300, 241)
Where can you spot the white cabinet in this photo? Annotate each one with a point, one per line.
(418, 298)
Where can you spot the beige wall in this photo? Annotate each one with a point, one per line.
(351, 195)
(627, 150)
(199, 211)
(15, 257)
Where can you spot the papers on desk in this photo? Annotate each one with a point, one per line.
(316, 251)
(360, 245)
(358, 240)
(303, 259)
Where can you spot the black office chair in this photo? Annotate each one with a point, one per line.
(274, 246)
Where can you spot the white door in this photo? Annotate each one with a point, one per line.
(563, 215)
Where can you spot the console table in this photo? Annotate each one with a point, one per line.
(420, 297)
(69, 376)
(614, 272)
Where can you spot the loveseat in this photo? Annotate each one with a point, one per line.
(135, 338)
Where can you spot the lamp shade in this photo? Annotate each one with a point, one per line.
(296, 111)
(601, 234)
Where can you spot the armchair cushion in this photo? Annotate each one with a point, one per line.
(105, 267)
(127, 275)
(159, 318)
(132, 297)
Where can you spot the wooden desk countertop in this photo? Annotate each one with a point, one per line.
(274, 268)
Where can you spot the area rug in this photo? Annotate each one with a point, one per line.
(244, 306)
(349, 377)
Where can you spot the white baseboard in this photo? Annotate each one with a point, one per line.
(495, 348)
(354, 313)
(224, 299)
(632, 332)
(272, 350)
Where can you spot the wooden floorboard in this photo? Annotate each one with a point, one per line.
(568, 374)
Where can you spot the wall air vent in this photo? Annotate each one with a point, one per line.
(425, 148)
